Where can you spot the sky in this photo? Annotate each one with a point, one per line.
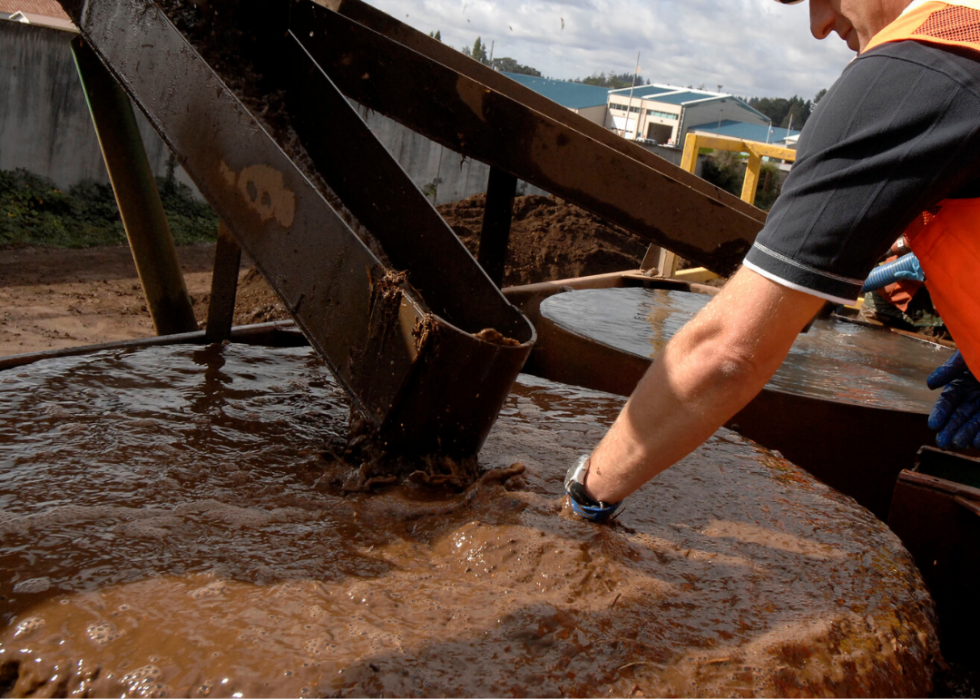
(753, 48)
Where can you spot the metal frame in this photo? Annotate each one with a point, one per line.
(402, 328)
(136, 195)
(756, 150)
(409, 347)
(475, 111)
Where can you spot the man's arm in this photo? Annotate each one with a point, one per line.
(708, 372)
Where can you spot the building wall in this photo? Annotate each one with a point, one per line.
(647, 112)
(713, 112)
(45, 125)
(597, 115)
(444, 176)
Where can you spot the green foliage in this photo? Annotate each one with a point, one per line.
(478, 52)
(504, 64)
(34, 212)
(770, 184)
(784, 112)
(509, 65)
(613, 81)
(726, 169)
(437, 35)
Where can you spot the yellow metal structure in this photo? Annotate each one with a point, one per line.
(755, 149)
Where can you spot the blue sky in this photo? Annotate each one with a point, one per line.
(750, 47)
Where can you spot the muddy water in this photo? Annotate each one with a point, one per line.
(835, 360)
(168, 527)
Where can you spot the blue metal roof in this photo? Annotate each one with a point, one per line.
(571, 95)
(643, 91)
(685, 97)
(748, 132)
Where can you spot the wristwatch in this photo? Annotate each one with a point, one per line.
(582, 503)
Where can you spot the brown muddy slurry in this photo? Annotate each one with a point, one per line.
(169, 525)
(835, 360)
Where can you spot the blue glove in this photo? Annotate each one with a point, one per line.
(911, 271)
(582, 503)
(956, 414)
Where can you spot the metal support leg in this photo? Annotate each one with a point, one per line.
(224, 286)
(136, 194)
(497, 214)
(751, 183)
(651, 258)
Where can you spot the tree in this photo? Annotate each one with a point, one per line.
(615, 81)
(505, 64)
(437, 35)
(478, 52)
(727, 170)
(784, 112)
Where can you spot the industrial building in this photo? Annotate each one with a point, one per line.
(666, 113)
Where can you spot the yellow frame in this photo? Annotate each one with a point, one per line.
(756, 150)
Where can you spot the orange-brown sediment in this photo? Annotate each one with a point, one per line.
(166, 528)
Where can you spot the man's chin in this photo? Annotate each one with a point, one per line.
(852, 41)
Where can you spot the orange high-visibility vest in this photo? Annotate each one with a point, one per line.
(946, 239)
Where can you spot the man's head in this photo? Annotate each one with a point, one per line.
(855, 21)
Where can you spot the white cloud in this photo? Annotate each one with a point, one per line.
(750, 47)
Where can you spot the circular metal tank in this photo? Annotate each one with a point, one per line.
(849, 404)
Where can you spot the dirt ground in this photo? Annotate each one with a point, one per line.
(52, 298)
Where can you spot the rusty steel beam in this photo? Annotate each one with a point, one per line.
(376, 190)
(137, 196)
(224, 286)
(498, 211)
(406, 368)
(481, 114)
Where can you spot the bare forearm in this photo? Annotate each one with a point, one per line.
(708, 372)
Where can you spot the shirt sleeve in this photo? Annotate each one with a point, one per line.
(896, 134)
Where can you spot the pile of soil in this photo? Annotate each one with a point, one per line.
(550, 239)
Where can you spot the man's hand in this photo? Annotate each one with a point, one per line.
(956, 414)
(708, 372)
(583, 504)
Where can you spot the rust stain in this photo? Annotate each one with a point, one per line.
(264, 191)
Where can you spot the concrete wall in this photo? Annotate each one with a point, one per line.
(714, 112)
(45, 125)
(443, 175)
(597, 115)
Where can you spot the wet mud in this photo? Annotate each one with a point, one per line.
(169, 525)
(835, 360)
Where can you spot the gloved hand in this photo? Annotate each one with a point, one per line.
(956, 414)
(582, 503)
(911, 271)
